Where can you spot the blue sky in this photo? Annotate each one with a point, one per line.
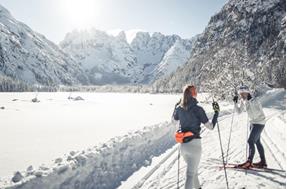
(54, 18)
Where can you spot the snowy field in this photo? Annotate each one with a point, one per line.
(82, 144)
(36, 133)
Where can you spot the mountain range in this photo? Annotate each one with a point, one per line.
(85, 57)
(245, 42)
(111, 59)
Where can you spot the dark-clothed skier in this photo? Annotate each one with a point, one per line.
(190, 117)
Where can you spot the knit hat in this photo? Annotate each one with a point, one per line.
(243, 89)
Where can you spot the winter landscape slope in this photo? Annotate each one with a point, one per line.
(248, 37)
(29, 57)
(111, 59)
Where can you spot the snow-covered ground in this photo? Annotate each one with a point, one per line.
(101, 143)
(210, 175)
(36, 133)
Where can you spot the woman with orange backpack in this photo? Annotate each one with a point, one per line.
(190, 117)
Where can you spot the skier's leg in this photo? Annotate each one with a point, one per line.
(188, 161)
(196, 181)
(260, 149)
(251, 143)
(189, 177)
(191, 153)
(259, 145)
(253, 138)
(197, 160)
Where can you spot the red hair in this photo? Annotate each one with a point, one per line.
(193, 91)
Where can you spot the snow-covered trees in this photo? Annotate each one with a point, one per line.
(247, 35)
(7, 84)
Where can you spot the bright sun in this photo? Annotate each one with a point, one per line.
(81, 13)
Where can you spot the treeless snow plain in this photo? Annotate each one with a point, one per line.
(36, 133)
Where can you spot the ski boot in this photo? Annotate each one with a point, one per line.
(260, 164)
(246, 165)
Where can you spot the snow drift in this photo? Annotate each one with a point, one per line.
(113, 161)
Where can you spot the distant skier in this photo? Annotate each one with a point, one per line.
(257, 122)
(190, 117)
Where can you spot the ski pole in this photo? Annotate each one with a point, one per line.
(229, 139)
(178, 157)
(178, 164)
(222, 155)
(232, 119)
(247, 142)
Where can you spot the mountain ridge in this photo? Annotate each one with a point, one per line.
(29, 57)
(247, 38)
(135, 62)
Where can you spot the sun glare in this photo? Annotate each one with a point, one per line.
(81, 13)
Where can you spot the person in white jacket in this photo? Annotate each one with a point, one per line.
(257, 123)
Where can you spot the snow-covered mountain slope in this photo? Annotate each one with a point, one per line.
(152, 52)
(29, 57)
(111, 59)
(174, 58)
(106, 58)
(247, 36)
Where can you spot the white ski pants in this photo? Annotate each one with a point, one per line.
(191, 153)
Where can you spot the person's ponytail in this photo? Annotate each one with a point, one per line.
(188, 92)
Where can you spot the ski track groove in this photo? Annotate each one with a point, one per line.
(274, 145)
(271, 145)
(164, 171)
(272, 154)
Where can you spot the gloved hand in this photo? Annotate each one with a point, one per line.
(235, 99)
(178, 103)
(215, 107)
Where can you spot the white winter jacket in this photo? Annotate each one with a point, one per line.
(254, 111)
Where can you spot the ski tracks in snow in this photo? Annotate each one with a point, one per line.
(165, 175)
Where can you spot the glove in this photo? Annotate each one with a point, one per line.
(235, 99)
(178, 103)
(215, 107)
